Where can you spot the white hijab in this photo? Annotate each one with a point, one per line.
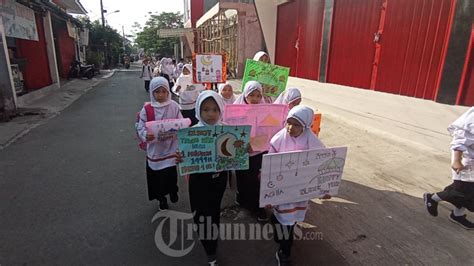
(258, 55)
(288, 96)
(282, 141)
(156, 83)
(221, 87)
(250, 86)
(200, 99)
(464, 122)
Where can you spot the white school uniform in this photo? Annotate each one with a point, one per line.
(462, 131)
(189, 91)
(290, 213)
(158, 152)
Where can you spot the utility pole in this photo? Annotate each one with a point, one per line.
(102, 11)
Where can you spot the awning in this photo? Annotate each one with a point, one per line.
(71, 6)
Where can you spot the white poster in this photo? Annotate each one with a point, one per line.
(18, 20)
(209, 68)
(296, 176)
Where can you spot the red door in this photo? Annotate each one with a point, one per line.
(299, 33)
(413, 47)
(352, 48)
(466, 88)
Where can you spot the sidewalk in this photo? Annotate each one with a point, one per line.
(420, 122)
(36, 107)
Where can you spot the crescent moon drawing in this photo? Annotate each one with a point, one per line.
(206, 62)
(224, 148)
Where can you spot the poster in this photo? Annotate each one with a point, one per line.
(272, 77)
(18, 20)
(209, 68)
(266, 120)
(166, 129)
(213, 148)
(303, 175)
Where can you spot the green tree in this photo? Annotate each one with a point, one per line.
(98, 36)
(148, 38)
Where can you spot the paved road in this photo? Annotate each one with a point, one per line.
(73, 191)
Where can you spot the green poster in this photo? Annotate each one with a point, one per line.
(272, 77)
(213, 149)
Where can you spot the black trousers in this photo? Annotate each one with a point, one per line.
(161, 182)
(205, 195)
(460, 194)
(248, 183)
(191, 114)
(283, 235)
(147, 85)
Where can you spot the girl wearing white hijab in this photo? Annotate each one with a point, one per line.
(207, 189)
(160, 165)
(226, 92)
(248, 185)
(263, 57)
(461, 192)
(188, 93)
(291, 96)
(296, 136)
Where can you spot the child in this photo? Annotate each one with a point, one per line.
(160, 165)
(188, 93)
(248, 183)
(291, 96)
(227, 93)
(461, 192)
(147, 73)
(296, 136)
(207, 189)
(263, 57)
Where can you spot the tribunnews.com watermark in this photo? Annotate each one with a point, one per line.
(177, 228)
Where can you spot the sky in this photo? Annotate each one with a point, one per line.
(130, 11)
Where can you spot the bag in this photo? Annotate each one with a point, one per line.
(150, 116)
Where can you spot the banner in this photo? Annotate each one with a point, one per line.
(166, 129)
(272, 77)
(213, 149)
(18, 20)
(209, 68)
(297, 176)
(266, 120)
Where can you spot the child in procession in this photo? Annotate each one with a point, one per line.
(226, 92)
(296, 136)
(248, 181)
(161, 170)
(291, 97)
(263, 57)
(207, 189)
(188, 93)
(147, 73)
(461, 192)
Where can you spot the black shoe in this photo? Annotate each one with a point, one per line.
(164, 204)
(262, 215)
(174, 197)
(431, 205)
(462, 221)
(282, 259)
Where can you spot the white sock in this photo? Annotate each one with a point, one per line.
(459, 212)
(436, 198)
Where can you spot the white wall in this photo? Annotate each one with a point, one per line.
(49, 38)
(267, 14)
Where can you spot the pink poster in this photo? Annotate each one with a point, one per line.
(166, 129)
(266, 120)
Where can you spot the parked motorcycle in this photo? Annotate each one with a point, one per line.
(78, 70)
